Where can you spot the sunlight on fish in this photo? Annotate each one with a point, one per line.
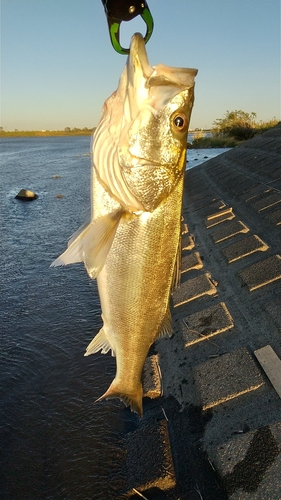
(132, 243)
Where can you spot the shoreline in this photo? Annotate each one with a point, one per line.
(46, 133)
(89, 132)
(66, 131)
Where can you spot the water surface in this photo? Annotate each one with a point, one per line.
(56, 443)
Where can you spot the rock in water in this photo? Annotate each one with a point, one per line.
(26, 195)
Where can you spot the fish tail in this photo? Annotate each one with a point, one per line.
(132, 399)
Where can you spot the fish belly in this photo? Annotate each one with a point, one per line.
(134, 287)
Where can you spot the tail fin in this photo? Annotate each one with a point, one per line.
(132, 399)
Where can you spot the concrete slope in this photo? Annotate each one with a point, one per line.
(227, 308)
(216, 433)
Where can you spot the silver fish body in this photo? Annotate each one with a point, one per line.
(132, 242)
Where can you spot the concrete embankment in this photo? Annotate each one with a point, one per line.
(216, 432)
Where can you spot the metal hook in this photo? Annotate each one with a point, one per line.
(124, 10)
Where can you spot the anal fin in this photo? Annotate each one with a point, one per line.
(177, 269)
(99, 343)
(166, 327)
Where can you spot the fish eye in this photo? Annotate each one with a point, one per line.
(179, 122)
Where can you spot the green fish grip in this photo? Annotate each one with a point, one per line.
(125, 10)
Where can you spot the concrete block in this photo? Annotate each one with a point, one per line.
(226, 377)
(149, 459)
(273, 309)
(187, 242)
(250, 464)
(245, 247)
(255, 194)
(210, 206)
(218, 217)
(274, 217)
(228, 230)
(262, 273)
(206, 323)
(191, 261)
(193, 289)
(151, 378)
(199, 194)
(276, 174)
(184, 228)
(267, 201)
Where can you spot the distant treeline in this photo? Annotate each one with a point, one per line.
(232, 129)
(47, 133)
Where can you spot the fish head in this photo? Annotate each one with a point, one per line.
(148, 117)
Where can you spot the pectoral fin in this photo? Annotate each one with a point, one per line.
(78, 232)
(91, 244)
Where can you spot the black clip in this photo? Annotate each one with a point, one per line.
(124, 10)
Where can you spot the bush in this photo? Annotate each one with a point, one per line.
(233, 128)
(242, 132)
(214, 141)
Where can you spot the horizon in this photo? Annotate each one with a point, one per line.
(60, 68)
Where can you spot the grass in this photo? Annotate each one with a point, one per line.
(214, 142)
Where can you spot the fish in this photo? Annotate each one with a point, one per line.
(132, 243)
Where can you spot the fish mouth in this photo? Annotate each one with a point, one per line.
(138, 74)
(160, 75)
(152, 86)
(138, 64)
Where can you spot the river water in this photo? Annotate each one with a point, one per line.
(56, 442)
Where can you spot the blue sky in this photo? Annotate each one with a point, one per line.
(58, 65)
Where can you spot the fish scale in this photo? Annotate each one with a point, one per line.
(134, 288)
(131, 244)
